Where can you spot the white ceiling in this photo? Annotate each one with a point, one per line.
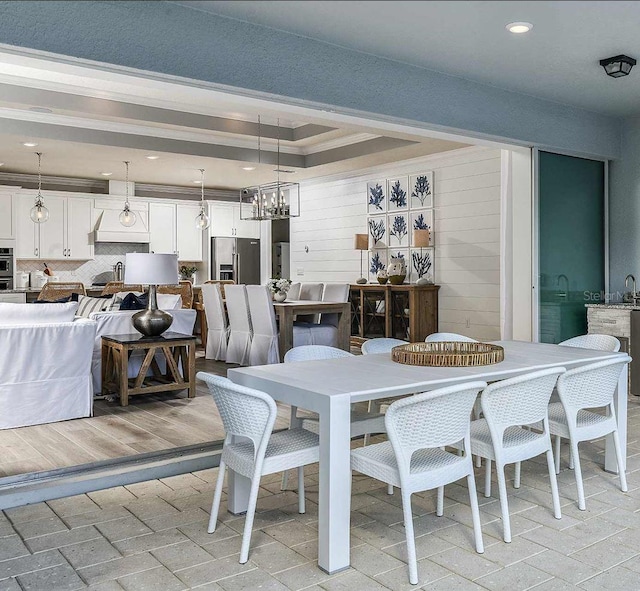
(557, 60)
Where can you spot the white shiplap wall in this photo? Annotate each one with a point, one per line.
(467, 234)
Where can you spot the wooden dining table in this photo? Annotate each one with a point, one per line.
(288, 310)
(329, 387)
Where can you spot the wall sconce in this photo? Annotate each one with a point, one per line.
(618, 66)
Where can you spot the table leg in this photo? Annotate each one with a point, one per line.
(123, 364)
(620, 405)
(334, 508)
(104, 369)
(285, 338)
(192, 369)
(238, 489)
(344, 328)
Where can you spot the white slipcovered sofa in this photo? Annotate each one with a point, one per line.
(45, 364)
(119, 322)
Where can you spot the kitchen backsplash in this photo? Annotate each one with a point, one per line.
(100, 269)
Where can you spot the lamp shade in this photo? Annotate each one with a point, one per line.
(151, 269)
(361, 242)
(421, 238)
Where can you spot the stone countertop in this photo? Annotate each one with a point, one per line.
(617, 306)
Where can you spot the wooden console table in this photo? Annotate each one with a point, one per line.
(407, 311)
(179, 350)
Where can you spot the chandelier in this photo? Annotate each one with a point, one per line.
(127, 217)
(277, 200)
(202, 219)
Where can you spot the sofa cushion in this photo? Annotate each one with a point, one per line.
(16, 314)
(87, 305)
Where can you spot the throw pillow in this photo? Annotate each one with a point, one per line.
(133, 302)
(17, 314)
(118, 297)
(87, 305)
(169, 301)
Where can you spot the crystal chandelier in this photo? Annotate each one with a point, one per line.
(277, 200)
(127, 217)
(39, 214)
(202, 219)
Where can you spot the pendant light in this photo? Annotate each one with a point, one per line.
(127, 217)
(39, 214)
(202, 219)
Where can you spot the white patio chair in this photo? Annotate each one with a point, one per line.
(239, 343)
(380, 345)
(588, 387)
(438, 337)
(598, 342)
(217, 328)
(264, 340)
(361, 423)
(508, 405)
(414, 459)
(251, 414)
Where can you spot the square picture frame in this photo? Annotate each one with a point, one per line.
(421, 190)
(423, 264)
(377, 260)
(398, 194)
(376, 197)
(422, 219)
(378, 232)
(398, 229)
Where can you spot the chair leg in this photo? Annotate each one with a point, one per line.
(516, 480)
(440, 502)
(248, 521)
(285, 480)
(411, 541)
(558, 440)
(478, 461)
(554, 485)
(621, 472)
(294, 422)
(475, 513)
(389, 489)
(487, 478)
(504, 504)
(578, 474)
(571, 463)
(301, 506)
(215, 506)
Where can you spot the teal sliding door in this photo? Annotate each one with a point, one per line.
(571, 243)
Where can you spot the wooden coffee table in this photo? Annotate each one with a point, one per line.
(179, 351)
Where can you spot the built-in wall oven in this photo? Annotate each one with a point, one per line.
(6, 268)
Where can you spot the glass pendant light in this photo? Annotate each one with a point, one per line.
(39, 214)
(202, 219)
(127, 217)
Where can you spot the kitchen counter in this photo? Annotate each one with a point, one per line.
(615, 306)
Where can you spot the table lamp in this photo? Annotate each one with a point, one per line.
(422, 239)
(152, 270)
(361, 243)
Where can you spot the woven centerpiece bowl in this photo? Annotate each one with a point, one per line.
(448, 354)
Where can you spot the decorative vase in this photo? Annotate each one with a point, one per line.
(279, 296)
(382, 276)
(397, 270)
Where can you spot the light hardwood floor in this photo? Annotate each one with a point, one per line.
(150, 423)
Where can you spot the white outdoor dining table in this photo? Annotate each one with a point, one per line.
(329, 387)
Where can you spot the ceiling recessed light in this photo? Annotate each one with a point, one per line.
(152, 157)
(106, 173)
(30, 144)
(248, 168)
(198, 182)
(519, 27)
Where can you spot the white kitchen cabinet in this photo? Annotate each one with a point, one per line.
(66, 235)
(172, 229)
(188, 237)
(13, 298)
(7, 218)
(162, 227)
(226, 221)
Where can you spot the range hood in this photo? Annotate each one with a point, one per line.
(107, 215)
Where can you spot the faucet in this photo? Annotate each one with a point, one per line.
(566, 279)
(626, 284)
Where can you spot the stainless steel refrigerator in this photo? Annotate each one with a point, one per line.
(237, 259)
